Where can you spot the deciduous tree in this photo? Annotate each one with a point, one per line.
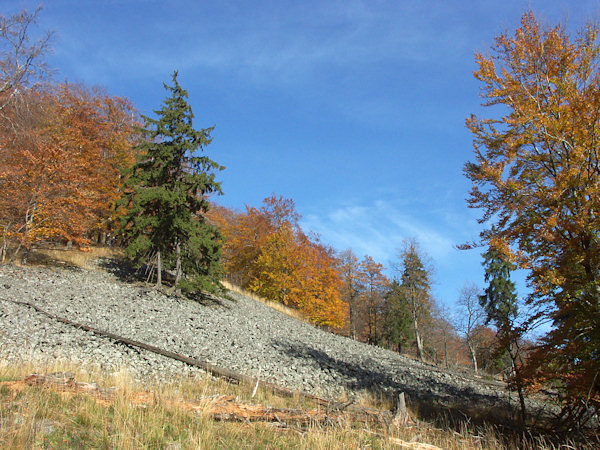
(248, 233)
(353, 285)
(22, 63)
(300, 273)
(443, 337)
(471, 317)
(373, 299)
(60, 175)
(536, 176)
(277, 268)
(267, 252)
(320, 284)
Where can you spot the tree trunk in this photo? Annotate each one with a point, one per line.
(15, 253)
(419, 341)
(519, 383)
(3, 249)
(25, 256)
(352, 308)
(473, 356)
(446, 353)
(158, 270)
(177, 264)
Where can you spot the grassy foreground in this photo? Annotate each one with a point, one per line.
(180, 415)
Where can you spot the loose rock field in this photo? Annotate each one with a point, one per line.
(239, 334)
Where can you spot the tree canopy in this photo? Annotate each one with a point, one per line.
(536, 177)
(60, 174)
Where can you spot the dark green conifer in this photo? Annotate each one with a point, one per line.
(499, 299)
(166, 197)
(500, 303)
(398, 319)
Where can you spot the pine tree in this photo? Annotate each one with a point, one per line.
(166, 198)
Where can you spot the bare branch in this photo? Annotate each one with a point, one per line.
(22, 64)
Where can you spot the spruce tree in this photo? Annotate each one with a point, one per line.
(166, 198)
(499, 301)
(398, 318)
(415, 290)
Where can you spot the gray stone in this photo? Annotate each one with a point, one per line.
(239, 334)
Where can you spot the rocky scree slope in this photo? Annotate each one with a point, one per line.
(239, 334)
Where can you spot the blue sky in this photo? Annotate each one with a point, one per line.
(355, 109)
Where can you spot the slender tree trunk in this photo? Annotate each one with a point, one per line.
(446, 352)
(4, 245)
(158, 270)
(418, 340)
(519, 383)
(473, 356)
(25, 256)
(352, 308)
(177, 264)
(15, 253)
(29, 216)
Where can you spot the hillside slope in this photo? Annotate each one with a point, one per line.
(238, 334)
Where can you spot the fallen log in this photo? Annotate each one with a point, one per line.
(65, 381)
(366, 414)
(218, 407)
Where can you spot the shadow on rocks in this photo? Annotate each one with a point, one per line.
(127, 273)
(434, 399)
(353, 376)
(121, 269)
(207, 299)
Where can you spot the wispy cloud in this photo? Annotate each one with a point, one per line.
(378, 229)
(279, 42)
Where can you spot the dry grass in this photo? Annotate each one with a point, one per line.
(69, 257)
(159, 416)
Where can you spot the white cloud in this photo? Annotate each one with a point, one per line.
(378, 229)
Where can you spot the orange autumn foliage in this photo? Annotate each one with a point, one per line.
(246, 233)
(303, 274)
(266, 251)
(536, 176)
(61, 174)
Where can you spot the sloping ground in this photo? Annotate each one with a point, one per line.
(238, 334)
